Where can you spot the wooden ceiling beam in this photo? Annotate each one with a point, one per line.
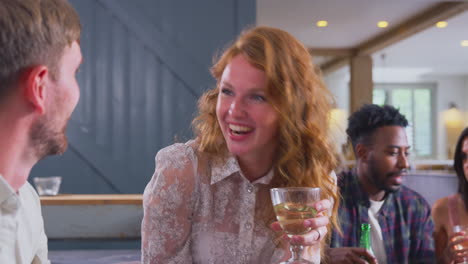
(409, 27)
(333, 65)
(416, 24)
(330, 52)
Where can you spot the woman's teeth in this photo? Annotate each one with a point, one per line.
(240, 129)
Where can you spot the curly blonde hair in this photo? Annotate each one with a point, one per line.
(295, 90)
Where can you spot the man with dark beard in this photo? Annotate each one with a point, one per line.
(400, 218)
(39, 57)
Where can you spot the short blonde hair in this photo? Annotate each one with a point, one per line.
(303, 103)
(34, 32)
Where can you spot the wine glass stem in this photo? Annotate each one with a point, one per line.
(296, 251)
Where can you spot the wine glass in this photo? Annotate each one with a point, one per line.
(462, 245)
(292, 206)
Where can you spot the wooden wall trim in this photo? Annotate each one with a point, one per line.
(92, 199)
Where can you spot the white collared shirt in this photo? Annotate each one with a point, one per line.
(22, 237)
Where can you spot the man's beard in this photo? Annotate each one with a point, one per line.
(47, 139)
(378, 182)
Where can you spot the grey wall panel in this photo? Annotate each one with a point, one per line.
(119, 83)
(102, 77)
(152, 102)
(167, 84)
(78, 176)
(146, 62)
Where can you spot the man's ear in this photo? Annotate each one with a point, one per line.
(362, 152)
(35, 83)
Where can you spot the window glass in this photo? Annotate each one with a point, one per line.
(415, 102)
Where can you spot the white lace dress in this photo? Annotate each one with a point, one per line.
(200, 210)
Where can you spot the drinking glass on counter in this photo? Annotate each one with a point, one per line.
(47, 185)
(293, 205)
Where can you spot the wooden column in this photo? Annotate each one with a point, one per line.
(361, 83)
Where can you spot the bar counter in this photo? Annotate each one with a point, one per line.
(92, 216)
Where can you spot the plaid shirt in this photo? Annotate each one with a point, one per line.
(405, 220)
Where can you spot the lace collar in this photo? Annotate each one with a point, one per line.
(222, 168)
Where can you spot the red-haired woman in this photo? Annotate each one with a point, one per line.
(263, 126)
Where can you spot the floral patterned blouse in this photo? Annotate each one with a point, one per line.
(199, 209)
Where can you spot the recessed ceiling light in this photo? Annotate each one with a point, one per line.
(322, 23)
(441, 24)
(464, 43)
(382, 24)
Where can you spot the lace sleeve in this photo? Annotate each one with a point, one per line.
(168, 202)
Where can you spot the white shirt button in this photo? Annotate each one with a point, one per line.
(250, 188)
(248, 225)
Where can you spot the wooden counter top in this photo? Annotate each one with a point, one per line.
(92, 199)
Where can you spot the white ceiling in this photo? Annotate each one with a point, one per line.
(351, 22)
(434, 48)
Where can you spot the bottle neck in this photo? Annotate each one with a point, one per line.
(365, 241)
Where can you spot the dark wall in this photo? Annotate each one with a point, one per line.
(146, 62)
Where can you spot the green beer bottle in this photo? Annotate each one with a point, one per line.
(365, 240)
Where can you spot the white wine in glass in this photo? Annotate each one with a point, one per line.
(291, 217)
(461, 245)
(292, 206)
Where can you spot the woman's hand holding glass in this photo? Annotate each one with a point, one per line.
(308, 229)
(317, 225)
(457, 247)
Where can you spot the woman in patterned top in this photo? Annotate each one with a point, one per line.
(264, 125)
(450, 211)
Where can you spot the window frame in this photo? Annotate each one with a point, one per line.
(388, 87)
